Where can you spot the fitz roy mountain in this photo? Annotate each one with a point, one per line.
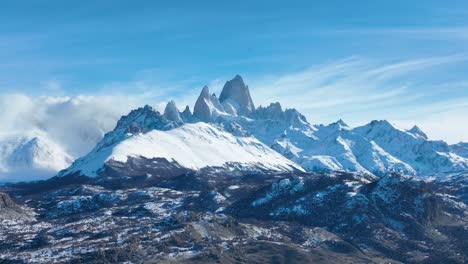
(234, 183)
(229, 133)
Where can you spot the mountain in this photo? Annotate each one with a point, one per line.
(231, 183)
(427, 157)
(338, 147)
(461, 149)
(375, 149)
(236, 97)
(31, 157)
(173, 150)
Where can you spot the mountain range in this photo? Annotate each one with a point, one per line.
(234, 183)
(229, 133)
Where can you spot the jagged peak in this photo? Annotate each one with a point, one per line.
(203, 108)
(238, 77)
(340, 124)
(415, 130)
(141, 120)
(205, 92)
(186, 115)
(171, 112)
(276, 106)
(381, 123)
(238, 92)
(146, 108)
(187, 110)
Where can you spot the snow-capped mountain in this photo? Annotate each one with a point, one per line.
(169, 144)
(412, 146)
(227, 183)
(461, 149)
(230, 130)
(338, 147)
(31, 157)
(376, 148)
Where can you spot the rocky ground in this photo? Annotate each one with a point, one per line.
(208, 218)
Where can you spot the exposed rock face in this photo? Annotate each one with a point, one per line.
(275, 112)
(203, 109)
(6, 202)
(171, 112)
(415, 130)
(237, 94)
(10, 210)
(186, 115)
(461, 149)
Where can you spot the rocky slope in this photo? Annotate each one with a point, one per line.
(10, 211)
(256, 218)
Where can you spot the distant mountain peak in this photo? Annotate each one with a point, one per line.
(171, 112)
(186, 115)
(237, 93)
(340, 124)
(415, 130)
(203, 106)
(205, 91)
(383, 122)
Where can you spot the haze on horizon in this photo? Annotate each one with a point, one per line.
(76, 63)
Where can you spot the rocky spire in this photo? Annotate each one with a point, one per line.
(186, 115)
(415, 130)
(340, 125)
(236, 93)
(171, 112)
(203, 106)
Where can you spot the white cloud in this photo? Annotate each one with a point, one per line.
(74, 122)
(354, 89)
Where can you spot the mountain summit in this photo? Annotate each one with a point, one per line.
(236, 95)
(376, 149)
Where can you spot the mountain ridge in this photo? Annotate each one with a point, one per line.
(376, 148)
(372, 149)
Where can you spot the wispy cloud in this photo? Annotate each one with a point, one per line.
(449, 32)
(360, 90)
(356, 89)
(74, 122)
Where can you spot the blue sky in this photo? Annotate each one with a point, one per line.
(358, 60)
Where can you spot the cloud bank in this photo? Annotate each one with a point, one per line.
(76, 123)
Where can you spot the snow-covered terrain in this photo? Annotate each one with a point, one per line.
(461, 149)
(202, 218)
(192, 146)
(228, 184)
(377, 148)
(241, 133)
